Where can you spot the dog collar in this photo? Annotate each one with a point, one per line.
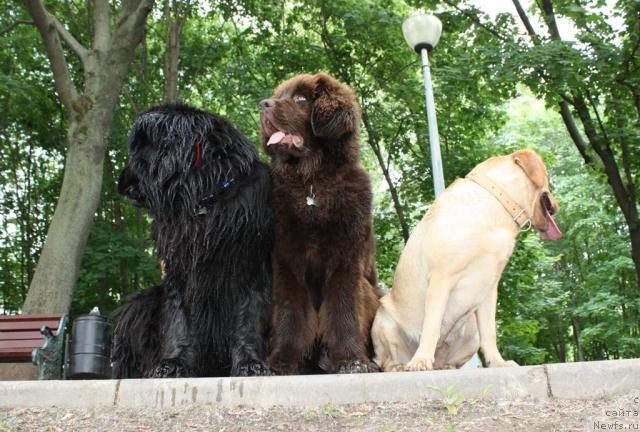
(196, 163)
(519, 214)
(213, 196)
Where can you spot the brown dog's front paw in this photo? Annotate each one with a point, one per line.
(357, 366)
(252, 369)
(283, 368)
(419, 364)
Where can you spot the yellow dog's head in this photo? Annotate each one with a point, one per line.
(544, 204)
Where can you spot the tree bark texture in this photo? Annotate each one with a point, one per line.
(395, 197)
(90, 114)
(173, 21)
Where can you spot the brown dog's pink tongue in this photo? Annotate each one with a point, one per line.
(276, 138)
(553, 232)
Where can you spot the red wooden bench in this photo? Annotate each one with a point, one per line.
(19, 335)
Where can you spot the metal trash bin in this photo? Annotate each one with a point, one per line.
(90, 348)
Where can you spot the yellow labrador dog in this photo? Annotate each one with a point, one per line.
(442, 307)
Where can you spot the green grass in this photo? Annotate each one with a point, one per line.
(451, 399)
(330, 410)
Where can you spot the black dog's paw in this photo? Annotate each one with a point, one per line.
(357, 366)
(251, 369)
(167, 369)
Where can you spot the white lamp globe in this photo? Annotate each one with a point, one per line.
(422, 30)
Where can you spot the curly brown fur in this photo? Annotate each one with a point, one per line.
(324, 298)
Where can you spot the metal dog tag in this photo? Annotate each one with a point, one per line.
(311, 198)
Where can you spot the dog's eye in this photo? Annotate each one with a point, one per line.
(299, 99)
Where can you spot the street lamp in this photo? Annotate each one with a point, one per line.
(422, 33)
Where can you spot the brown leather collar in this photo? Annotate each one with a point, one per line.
(519, 215)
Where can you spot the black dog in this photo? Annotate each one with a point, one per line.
(209, 197)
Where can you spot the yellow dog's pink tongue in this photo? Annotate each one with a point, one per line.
(553, 232)
(276, 138)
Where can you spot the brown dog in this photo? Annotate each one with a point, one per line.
(324, 298)
(442, 307)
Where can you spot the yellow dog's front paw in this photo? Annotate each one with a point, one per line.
(419, 364)
(503, 363)
(396, 367)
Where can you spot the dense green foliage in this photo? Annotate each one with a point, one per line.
(574, 299)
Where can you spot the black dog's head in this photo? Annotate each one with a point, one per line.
(182, 159)
(310, 115)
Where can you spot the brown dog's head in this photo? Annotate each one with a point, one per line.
(544, 203)
(310, 115)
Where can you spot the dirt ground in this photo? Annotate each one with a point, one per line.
(620, 413)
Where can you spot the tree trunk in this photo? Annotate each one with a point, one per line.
(395, 197)
(574, 133)
(57, 270)
(174, 19)
(624, 193)
(575, 323)
(634, 234)
(562, 346)
(90, 115)
(28, 221)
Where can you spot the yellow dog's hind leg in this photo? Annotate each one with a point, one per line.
(392, 346)
(460, 344)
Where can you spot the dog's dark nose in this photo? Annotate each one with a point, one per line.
(267, 103)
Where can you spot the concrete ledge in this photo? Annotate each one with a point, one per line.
(568, 381)
(317, 390)
(66, 394)
(592, 380)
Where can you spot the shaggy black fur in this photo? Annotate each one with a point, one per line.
(209, 197)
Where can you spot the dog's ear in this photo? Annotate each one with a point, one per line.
(335, 110)
(533, 166)
(129, 186)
